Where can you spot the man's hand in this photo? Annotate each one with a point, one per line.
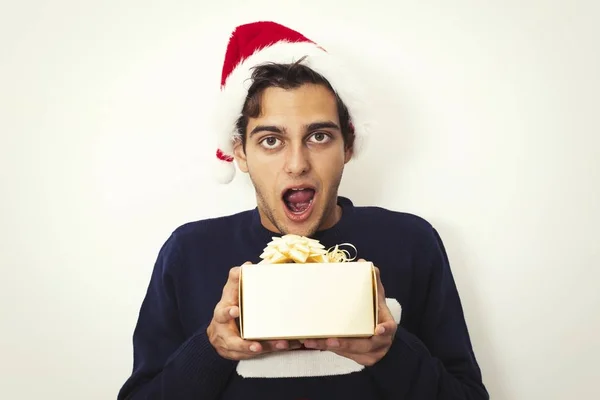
(224, 334)
(364, 351)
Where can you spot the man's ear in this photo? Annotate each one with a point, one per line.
(348, 154)
(349, 148)
(240, 155)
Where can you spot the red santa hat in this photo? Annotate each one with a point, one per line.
(267, 42)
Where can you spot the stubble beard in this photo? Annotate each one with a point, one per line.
(269, 213)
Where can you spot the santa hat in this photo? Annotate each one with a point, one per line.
(268, 42)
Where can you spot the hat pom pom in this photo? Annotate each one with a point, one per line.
(224, 171)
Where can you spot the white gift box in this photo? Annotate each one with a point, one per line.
(311, 300)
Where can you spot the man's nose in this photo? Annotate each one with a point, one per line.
(297, 160)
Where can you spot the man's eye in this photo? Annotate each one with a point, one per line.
(320, 137)
(270, 142)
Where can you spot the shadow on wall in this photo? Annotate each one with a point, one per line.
(385, 158)
(394, 145)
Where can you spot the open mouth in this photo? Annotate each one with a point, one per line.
(298, 202)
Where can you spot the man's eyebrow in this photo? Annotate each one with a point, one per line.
(310, 127)
(266, 128)
(322, 125)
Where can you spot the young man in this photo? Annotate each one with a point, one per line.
(293, 131)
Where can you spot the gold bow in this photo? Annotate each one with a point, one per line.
(301, 249)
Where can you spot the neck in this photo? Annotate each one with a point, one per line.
(332, 218)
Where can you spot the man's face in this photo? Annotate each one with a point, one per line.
(295, 156)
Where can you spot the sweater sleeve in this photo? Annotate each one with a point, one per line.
(438, 362)
(166, 364)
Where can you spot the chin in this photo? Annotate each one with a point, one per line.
(304, 228)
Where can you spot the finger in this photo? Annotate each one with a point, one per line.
(356, 346)
(234, 343)
(315, 343)
(274, 345)
(387, 328)
(237, 355)
(380, 288)
(351, 345)
(232, 279)
(294, 344)
(231, 289)
(280, 345)
(224, 315)
(385, 315)
(234, 355)
(261, 348)
(234, 274)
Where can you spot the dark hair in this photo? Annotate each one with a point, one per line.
(288, 76)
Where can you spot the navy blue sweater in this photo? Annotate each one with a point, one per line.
(430, 358)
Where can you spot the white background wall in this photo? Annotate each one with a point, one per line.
(489, 128)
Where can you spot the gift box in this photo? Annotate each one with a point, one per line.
(295, 300)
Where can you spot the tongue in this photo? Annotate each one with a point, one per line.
(299, 196)
(299, 200)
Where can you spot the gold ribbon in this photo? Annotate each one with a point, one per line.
(301, 249)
